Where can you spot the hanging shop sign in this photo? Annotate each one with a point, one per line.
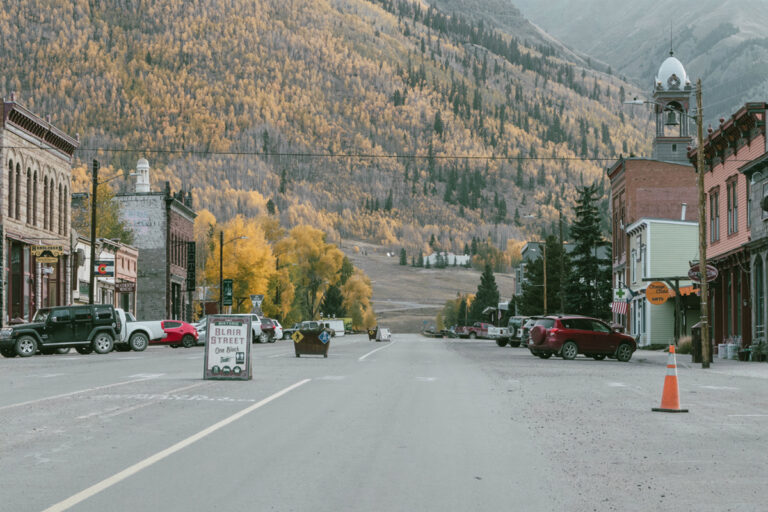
(47, 253)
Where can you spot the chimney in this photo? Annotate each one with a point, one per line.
(682, 214)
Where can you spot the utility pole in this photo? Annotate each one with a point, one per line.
(94, 188)
(562, 266)
(705, 349)
(221, 271)
(544, 252)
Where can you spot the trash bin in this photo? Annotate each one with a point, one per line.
(372, 333)
(696, 345)
(312, 342)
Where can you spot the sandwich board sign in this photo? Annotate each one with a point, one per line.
(228, 348)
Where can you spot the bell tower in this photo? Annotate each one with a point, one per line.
(672, 98)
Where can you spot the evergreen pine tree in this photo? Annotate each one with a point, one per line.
(332, 302)
(589, 286)
(487, 295)
(403, 257)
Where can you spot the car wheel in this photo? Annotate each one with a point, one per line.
(501, 343)
(103, 343)
(472, 335)
(62, 350)
(263, 337)
(26, 346)
(188, 341)
(598, 357)
(8, 352)
(84, 350)
(544, 355)
(624, 353)
(138, 341)
(570, 350)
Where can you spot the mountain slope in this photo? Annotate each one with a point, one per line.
(725, 42)
(382, 120)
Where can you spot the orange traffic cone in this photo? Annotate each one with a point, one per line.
(670, 397)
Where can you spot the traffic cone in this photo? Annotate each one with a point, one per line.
(670, 397)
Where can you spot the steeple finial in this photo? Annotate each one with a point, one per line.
(671, 52)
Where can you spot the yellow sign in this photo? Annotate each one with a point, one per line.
(657, 293)
(47, 253)
(297, 336)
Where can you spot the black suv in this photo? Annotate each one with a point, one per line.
(91, 328)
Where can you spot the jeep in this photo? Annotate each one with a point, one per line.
(89, 328)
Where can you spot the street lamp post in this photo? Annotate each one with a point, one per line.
(704, 312)
(221, 266)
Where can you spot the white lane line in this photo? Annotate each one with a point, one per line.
(748, 415)
(122, 475)
(72, 393)
(279, 355)
(139, 406)
(389, 344)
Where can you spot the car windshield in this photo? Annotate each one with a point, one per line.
(41, 315)
(129, 317)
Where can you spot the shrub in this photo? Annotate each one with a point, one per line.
(684, 345)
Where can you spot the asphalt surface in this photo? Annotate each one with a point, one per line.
(414, 424)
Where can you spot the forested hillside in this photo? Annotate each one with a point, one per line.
(383, 120)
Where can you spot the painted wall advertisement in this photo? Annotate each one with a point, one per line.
(228, 348)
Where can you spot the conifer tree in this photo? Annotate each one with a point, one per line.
(403, 258)
(589, 286)
(487, 295)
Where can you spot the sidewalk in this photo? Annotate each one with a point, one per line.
(720, 366)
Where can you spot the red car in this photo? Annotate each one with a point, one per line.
(177, 333)
(571, 335)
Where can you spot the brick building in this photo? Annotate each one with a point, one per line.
(163, 228)
(662, 187)
(34, 213)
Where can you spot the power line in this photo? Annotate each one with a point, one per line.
(370, 156)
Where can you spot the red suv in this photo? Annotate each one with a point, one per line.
(570, 335)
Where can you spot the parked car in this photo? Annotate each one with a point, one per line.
(177, 333)
(513, 333)
(268, 334)
(278, 330)
(306, 325)
(570, 335)
(476, 330)
(87, 328)
(525, 330)
(135, 335)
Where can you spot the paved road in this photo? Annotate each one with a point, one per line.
(415, 424)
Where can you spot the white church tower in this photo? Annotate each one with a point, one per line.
(142, 176)
(672, 97)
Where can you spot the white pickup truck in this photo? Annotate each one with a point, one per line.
(498, 333)
(136, 335)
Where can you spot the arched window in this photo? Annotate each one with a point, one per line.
(61, 212)
(45, 203)
(759, 297)
(34, 200)
(52, 199)
(29, 195)
(10, 188)
(66, 210)
(16, 202)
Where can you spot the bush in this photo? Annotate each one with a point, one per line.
(684, 345)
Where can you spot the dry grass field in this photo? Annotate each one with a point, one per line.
(405, 297)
